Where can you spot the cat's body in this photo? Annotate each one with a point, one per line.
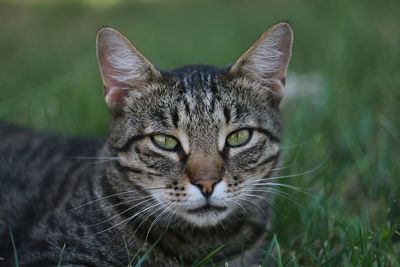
(45, 181)
(41, 190)
(183, 171)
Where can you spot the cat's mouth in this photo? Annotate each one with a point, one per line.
(206, 209)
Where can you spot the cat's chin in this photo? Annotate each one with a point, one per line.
(206, 216)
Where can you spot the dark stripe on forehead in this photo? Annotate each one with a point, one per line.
(196, 79)
(214, 88)
(212, 105)
(187, 107)
(240, 109)
(175, 117)
(158, 115)
(227, 114)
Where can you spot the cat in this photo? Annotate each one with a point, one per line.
(184, 172)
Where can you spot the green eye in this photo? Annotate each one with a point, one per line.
(238, 138)
(165, 141)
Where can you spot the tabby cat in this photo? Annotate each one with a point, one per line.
(186, 169)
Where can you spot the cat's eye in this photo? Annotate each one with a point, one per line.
(165, 141)
(238, 138)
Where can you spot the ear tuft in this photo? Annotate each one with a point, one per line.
(121, 65)
(267, 59)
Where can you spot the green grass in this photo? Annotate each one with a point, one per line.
(207, 259)
(49, 80)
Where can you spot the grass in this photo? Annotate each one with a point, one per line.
(16, 260)
(208, 258)
(61, 255)
(50, 81)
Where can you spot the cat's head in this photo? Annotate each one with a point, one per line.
(200, 140)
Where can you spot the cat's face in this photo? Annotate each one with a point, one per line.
(200, 140)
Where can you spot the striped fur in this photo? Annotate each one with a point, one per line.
(102, 198)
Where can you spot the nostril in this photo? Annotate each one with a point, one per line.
(206, 186)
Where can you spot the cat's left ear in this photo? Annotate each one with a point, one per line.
(267, 59)
(123, 68)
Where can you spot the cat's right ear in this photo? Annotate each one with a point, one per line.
(124, 70)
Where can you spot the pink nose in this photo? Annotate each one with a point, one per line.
(206, 186)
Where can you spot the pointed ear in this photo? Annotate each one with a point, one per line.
(267, 59)
(123, 69)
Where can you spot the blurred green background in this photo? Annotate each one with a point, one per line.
(342, 114)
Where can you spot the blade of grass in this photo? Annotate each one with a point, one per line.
(208, 256)
(268, 253)
(144, 257)
(278, 257)
(14, 248)
(62, 252)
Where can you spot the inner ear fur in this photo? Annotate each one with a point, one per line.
(124, 70)
(267, 58)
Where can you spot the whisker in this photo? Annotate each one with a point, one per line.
(122, 203)
(170, 217)
(116, 194)
(237, 203)
(222, 226)
(91, 158)
(95, 159)
(154, 188)
(251, 202)
(119, 214)
(294, 175)
(275, 192)
(306, 142)
(167, 209)
(156, 210)
(263, 198)
(99, 161)
(102, 198)
(145, 210)
(286, 186)
(282, 167)
(126, 220)
(129, 220)
(284, 147)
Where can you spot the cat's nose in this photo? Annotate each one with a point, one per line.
(207, 186)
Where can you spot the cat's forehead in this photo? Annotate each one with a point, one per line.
(197, 92)
(199, 98)
(196, 80)
(190, 98)
(203, 94)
